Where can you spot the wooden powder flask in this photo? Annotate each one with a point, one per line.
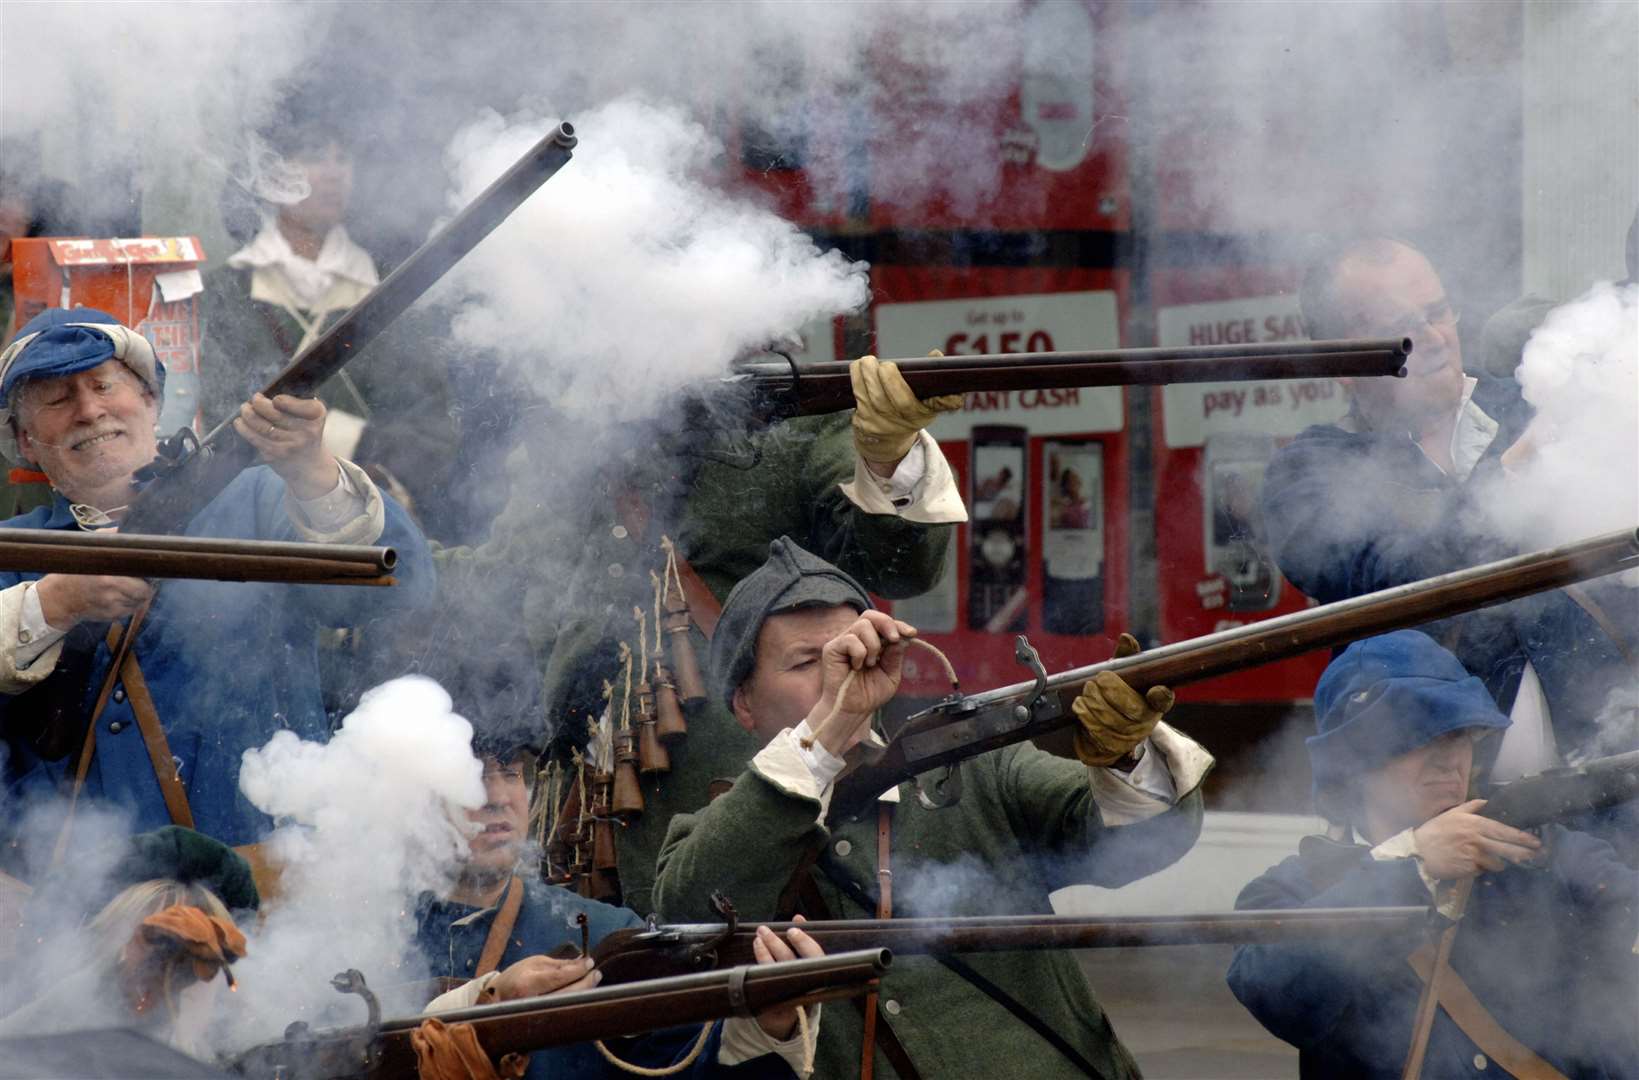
(652, 759)
(603, 845)
(670, 724)
(627, 801)
(691, 688)
(580, 871)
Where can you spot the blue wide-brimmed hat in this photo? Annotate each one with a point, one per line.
(63, 341)
(1386, 696)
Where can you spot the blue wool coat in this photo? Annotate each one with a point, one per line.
(1548, 952)
(228, 665)
(451, 936)
(1352, 512)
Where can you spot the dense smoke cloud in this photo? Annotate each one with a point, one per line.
(1580, 372)
(629, 275)
(365, 828)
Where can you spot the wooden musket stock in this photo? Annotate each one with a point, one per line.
(785, 389)
(562, 1019)
(1556, 794)
(954, 730)
(53, 551)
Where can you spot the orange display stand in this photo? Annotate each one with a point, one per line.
(151, 284)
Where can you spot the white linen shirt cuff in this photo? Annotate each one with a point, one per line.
(461, 997)
(35, 636)
(1172, 766)
(806, 773)
(922, 488)
(745, 1039)
(350, 513)
(1403, 845)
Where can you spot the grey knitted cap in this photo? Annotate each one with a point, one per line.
(792, 578)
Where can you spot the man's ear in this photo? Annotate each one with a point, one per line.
(742, 710)
(24, 443)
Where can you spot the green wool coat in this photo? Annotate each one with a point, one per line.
(576, 565)
(1026, 825)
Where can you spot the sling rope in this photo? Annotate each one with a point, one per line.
(669, 1070)
(809, 1045)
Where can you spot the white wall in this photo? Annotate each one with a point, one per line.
(1581, 181)
(1233, 849)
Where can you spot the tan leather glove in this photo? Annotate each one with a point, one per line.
(453, 1052)
(887, 414)
(1114, 718)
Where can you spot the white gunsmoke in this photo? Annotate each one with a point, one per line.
(365, 828)
(628, 275)
(1580, 372)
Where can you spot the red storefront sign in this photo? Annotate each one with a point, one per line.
(1043, 472)
(1213, 443)
(149, 283)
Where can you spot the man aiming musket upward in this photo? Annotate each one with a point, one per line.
(791, 635)
(210, 669)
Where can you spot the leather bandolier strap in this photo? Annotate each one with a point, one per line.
(501, 929)
(124, 668)
(1478, 1024)
(876, 1025)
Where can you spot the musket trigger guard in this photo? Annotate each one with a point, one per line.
(1026, 654)
(941, 793)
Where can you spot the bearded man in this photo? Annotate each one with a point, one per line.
(210, 668)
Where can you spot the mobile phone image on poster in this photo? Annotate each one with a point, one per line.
(997, 600)
(1072, 537)
(1232, 488)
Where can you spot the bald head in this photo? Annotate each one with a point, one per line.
(1381, 287)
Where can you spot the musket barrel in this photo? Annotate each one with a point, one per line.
(50, 551)
(977, 723)
(1017, 933)
(1365, 616)
(824, 386)
(168, 503)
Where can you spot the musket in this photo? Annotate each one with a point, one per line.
(963, 726)
(658, 951)
(53, 551)
(1556, 794)
(784, 388)
(191, 472)
(381, 1048)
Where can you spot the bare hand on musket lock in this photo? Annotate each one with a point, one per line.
(873, 649)
(536, 975)
(288, 432)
